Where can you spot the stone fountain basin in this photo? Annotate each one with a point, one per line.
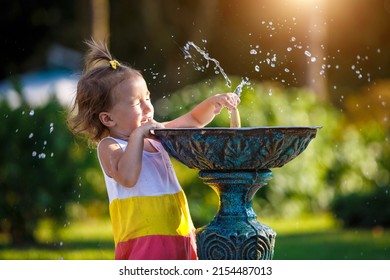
(247, 148)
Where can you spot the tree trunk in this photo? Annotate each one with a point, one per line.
(100, 19)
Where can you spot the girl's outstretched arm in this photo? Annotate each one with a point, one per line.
(205, 111)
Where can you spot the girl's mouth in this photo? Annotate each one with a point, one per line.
(145, 120)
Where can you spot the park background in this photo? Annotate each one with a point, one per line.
(320, 62)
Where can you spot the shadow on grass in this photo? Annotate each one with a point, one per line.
(333, 245)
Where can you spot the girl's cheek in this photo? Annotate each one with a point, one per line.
(137, 111)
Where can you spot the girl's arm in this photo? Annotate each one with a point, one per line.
(205, 111)
(125, 166)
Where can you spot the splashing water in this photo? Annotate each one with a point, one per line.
(206, 56)
(244, 82)
(51, 128)
(218, 68)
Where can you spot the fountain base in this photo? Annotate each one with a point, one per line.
(235, 233)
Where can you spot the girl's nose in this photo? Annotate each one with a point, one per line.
(147, 107)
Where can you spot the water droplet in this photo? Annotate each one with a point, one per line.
(32, 113)
(34, 154)
(289, 49)
(286, 70)
(313, 59)
(31, 135)
(253, 51)
(307, 53)
(257, 68)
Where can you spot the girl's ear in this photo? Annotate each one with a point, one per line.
(105, 119)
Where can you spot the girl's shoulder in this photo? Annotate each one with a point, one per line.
(111, 140)
(109, 149)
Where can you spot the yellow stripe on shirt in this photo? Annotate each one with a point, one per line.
(166, 214)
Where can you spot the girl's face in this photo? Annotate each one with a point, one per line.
(132, 107)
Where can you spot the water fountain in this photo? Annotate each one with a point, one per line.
(236, 163)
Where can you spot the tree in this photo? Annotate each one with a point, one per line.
(40, 168)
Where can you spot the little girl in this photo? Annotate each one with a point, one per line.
(148, 208)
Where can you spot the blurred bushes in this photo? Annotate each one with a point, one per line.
(364, 176)
(366, 210)
(42, 169)
(342, 159)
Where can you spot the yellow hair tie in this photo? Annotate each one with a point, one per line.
(114, 63)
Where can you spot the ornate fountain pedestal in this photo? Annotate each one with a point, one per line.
(236, 163)
(235, 233)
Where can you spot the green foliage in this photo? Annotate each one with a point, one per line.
(341, 159)
(40, 168)
(367, 210)
(363, 172)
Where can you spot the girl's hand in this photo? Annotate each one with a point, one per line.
(203, 113)
(147, 127)
(229, 100)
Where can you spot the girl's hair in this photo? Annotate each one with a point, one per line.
(95, 90)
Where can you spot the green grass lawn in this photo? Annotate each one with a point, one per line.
(81, 240)
(322, 238)
(306, 238)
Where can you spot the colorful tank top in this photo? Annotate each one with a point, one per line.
(152, 219)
